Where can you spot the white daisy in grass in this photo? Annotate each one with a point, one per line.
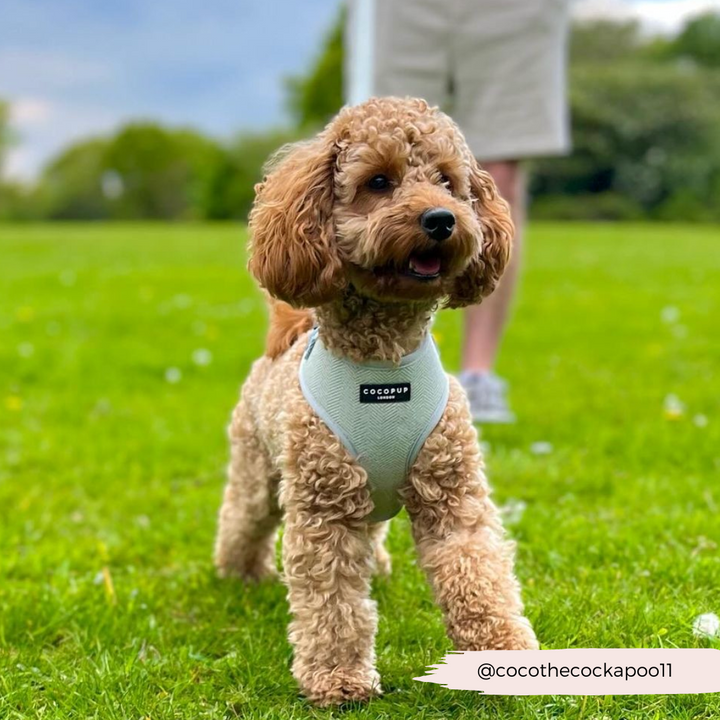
(173, 375)
(202, 357)
(26, 350)
(182, 301)
(700, 421)
(512, 511)
(707, 626)
(541, 448)
(673, 407)
(670, 314)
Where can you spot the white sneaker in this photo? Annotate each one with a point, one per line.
(487, 395)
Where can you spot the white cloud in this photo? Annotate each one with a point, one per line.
(611, 9)
(656, 16)
(30, 111)
(43, 129)
(20, 164)
(669, 17)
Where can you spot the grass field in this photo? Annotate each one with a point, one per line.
(122, 350)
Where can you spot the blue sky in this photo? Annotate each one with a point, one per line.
(76, 67)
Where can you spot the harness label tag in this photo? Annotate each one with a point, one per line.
(390, 393)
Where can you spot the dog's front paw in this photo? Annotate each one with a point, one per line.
(252, 571)
(495, 633)
(523, 635)
(339, 686)
(517, 635)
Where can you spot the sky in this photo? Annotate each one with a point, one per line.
(73, 68)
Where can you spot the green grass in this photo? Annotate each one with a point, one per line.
(110, 476)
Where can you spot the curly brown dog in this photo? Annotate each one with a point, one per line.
(341, 240)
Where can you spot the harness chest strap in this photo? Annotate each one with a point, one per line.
(382, 413)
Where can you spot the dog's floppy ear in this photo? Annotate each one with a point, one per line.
(483, 273)
(292, 249)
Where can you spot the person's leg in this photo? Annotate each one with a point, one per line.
(509, 85)
(397, 47)
(484, 324)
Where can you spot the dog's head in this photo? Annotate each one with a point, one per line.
(388, 199)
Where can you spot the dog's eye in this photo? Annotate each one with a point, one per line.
(378, 183)
(447, 182)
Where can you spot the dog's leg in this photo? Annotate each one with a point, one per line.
(378, 533)
(249, 516)
(327, 562)
(460, 540)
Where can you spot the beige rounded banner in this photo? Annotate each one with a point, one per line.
(630, 671)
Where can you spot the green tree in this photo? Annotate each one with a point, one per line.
(71, 187)
(316, 96)
(159, 173)
(700, 40)
(231, 192)
(604, 41)
(18, 201)
(4, 133)
(649, 135)
(143, 171)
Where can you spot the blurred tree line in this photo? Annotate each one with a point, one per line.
(645, 125)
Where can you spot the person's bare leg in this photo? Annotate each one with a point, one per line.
(484, 324)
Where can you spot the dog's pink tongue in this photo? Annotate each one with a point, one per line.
(425, 266)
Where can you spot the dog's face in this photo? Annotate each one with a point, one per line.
(389, 199)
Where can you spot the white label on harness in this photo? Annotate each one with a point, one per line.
(390, 393)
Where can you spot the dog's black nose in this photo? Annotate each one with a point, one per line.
(438, 223)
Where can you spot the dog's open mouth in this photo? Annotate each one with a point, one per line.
(424, 266)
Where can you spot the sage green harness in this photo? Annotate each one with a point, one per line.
(381, 412)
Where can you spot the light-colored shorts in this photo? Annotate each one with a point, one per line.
(497, 66)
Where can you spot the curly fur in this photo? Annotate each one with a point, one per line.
(338, 252)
